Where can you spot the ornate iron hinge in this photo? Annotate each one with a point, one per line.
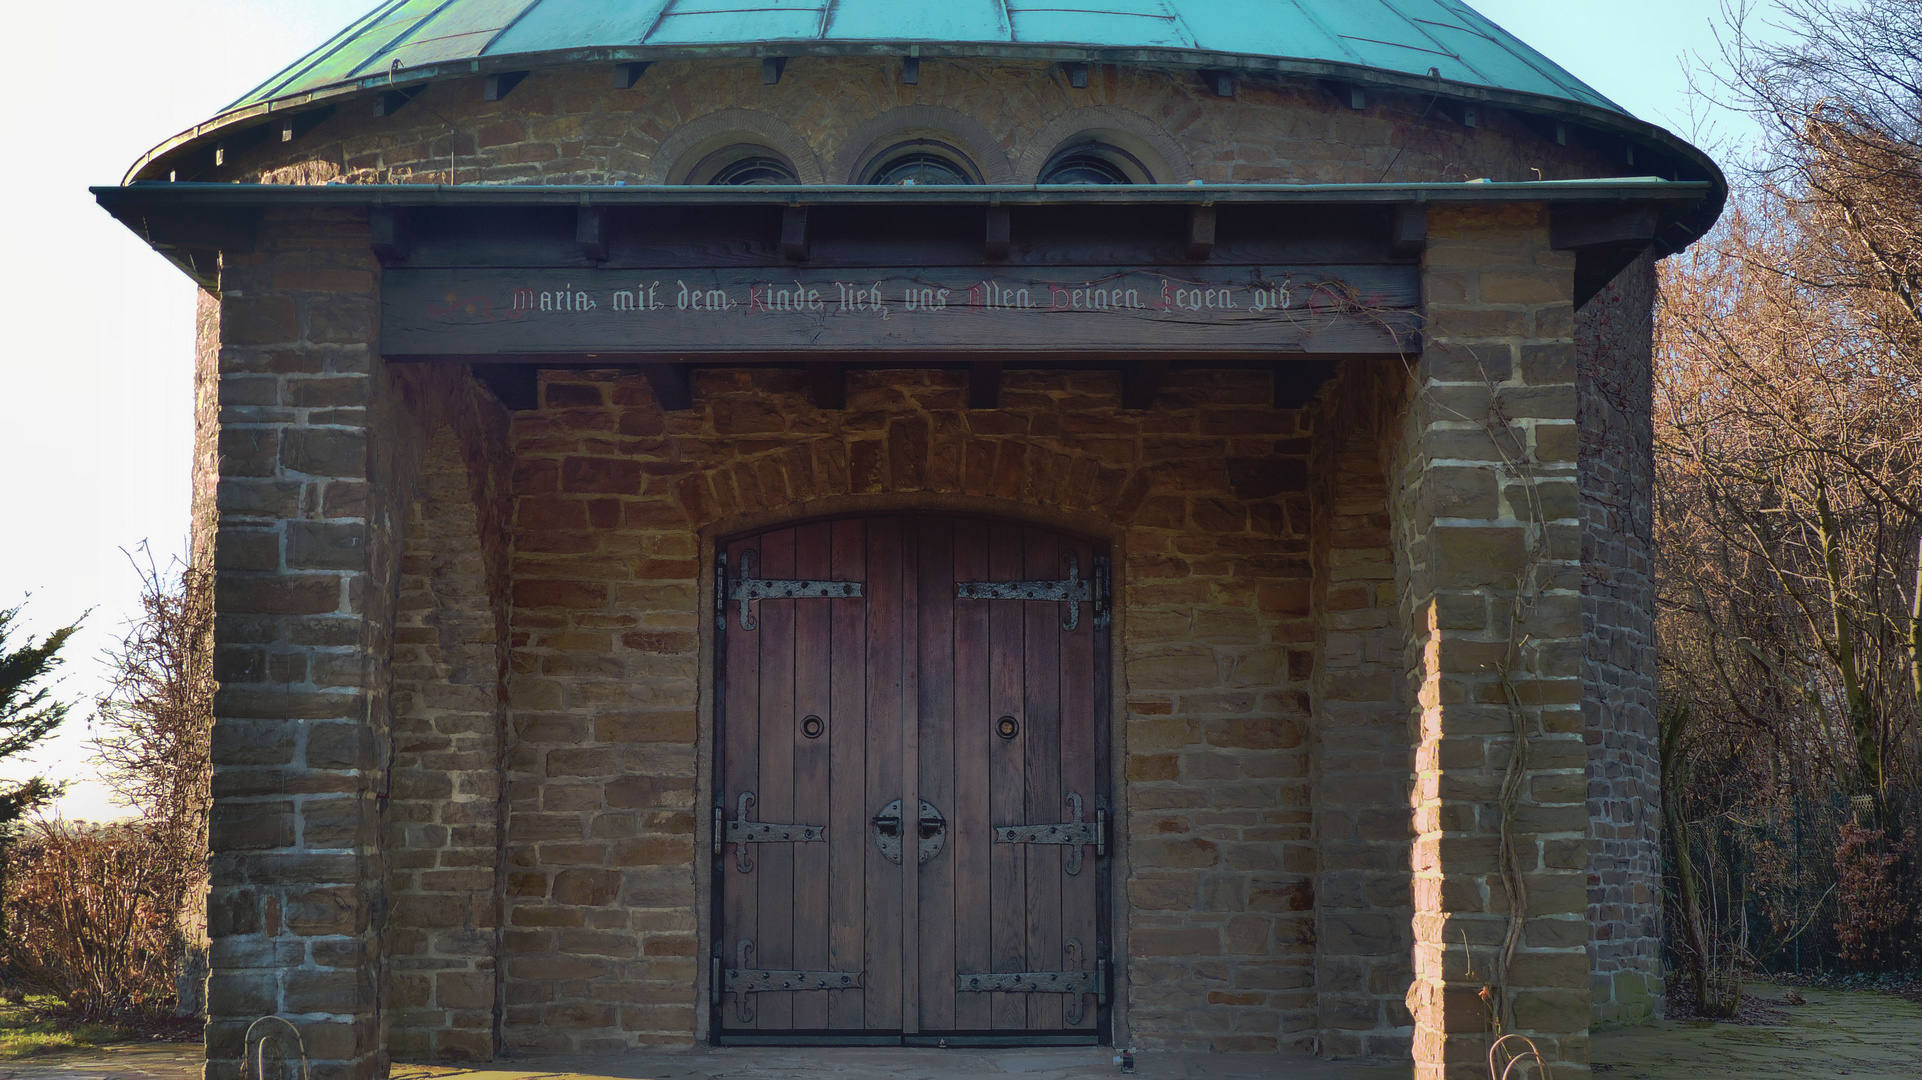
(741, 832)
(746, 980)
(1073, 982)
(1073, 832)
(1071, 590)
(747, 588)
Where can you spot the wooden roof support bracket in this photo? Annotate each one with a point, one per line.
(673, 389)
(828, 384)
(771, 69)
(1201, 231)
(1140, 382)
(984, 384)
(390, 234)
(626, 75)
(1000, 234)
(497, 87)
(590, 233)
(1410, 230)
(1605, 238)
(390, 102)
(794, 233)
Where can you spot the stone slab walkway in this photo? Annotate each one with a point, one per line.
(1856, 1035)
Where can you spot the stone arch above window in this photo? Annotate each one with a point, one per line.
(1129, 143)
(705, 148)
(888, 137)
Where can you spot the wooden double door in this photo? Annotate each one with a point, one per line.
(912, 800)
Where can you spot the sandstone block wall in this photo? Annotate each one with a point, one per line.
(1207, 495)
(1361, 738)
(1488, 521)
(1613, 335)
(303, 554)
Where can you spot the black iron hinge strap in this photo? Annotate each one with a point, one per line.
(747, 588)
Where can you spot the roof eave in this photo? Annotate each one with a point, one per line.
(1606, 119)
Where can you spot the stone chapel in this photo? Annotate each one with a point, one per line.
(835, 522)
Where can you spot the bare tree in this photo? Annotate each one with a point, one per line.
(155, 726)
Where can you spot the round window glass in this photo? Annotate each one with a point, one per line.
(743, 163)
(755, 170)
(914, 164)
(1095, 163)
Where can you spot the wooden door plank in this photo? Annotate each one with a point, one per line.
(813, 559)
(883, 926)
(847, 737)
(937, 728)
(1007, 772)
(740, 771)
(910, 704)
(1043, 789)
(1079, 900)
(775, 1011)
(971, 821)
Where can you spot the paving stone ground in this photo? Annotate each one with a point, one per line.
(1862, 1036)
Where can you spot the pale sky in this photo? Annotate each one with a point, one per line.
(98, 378)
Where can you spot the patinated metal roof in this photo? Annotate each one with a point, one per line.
(1442, 39)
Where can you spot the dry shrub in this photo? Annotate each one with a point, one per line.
(85, 921)
(1874, 912)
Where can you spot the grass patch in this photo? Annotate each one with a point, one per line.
(35, 1027)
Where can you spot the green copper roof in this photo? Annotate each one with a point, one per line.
(1422, 38)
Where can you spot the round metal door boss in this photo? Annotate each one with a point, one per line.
(813, 726)
(1007, 727)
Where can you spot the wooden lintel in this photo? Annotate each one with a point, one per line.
(517, 386)
(389, 233)
(828, 384)
(498, 86)
(1141, 381)
(673, 389)
(590, 233)
(771, 69)
(794, 233)
(984, 384)
(1572, 228)
(626, 75)
(1410, 235)
(1201, 232)
(1000, 233)
(1299, 382)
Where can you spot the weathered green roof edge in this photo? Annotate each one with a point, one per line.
(1439, 39)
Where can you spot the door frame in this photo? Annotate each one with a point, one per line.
(710, 718)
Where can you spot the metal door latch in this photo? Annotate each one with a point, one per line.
(1071, 590)
(1073, 832)
(1072, 982)
(746, 979)
(747, 588)
(741, 832)
(887, 832)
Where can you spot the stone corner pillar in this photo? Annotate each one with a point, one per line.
(300, 640)
(1488, 531)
